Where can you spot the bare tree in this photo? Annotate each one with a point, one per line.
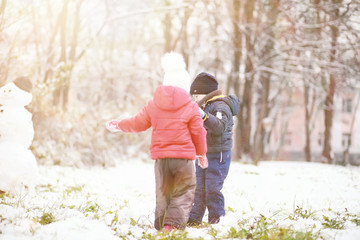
(244, 126)
(2, 67)
(331, 87)
(310, 78)
(351, 129)
(2, 10)
(234, 78)
(167, 29)
(59, 93)
(311, 108)
(172, 38)
(267, 59)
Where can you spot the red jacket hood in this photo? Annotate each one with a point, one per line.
(170, 98)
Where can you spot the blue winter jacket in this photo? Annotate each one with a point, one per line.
(219, 122)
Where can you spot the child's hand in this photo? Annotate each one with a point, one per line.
(202, 113)
(112, 126)
(203, 161)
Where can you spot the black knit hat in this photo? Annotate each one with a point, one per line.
(23, 83)
(204, 83)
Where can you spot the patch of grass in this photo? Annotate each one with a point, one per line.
(67, 206)
(229, 209)
(339, 220)
(212, 231)
(252, 173)
(132, 222)
(91, 207)
(45, 188)
(240, 233)
(46, 218)
(355, 218)
(334, 223)
(122, 206)
(3, 197)
(264, 228)
(115, 219)
(299, 212)
(73, 189)
(173, 235)
(287, 233)
(356, 221)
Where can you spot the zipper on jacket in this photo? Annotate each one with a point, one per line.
(221, 157)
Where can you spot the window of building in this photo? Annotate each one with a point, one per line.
(347, 105)
(321, 139)
(346, 140)
(288, 139)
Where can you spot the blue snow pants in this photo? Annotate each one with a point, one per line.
(209, 183)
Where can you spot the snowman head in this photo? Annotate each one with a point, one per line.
(11, 95)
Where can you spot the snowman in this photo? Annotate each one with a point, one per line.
(18, 167)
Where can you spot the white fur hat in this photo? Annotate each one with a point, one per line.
(175, 71)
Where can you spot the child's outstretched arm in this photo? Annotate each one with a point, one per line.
(112, 125)
(140, 122)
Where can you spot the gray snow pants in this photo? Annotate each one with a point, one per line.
(175, 190)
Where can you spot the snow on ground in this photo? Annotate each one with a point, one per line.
(119, 202)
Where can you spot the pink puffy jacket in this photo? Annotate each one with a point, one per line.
(178, 130)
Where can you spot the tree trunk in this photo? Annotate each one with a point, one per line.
(72, 55)
(328, 120)
(3, 75)
(285, 118)
(329, 100)
(167, 29)
(307, 148)
(234, 80)
(61, 25)
(50, 51)
(2, 10)
(265, 83)
(244, 127)
(259, 138)
(61, 94)
(309, 102)
(184, 36)
(354, 113)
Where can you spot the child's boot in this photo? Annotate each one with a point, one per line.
(168, 228)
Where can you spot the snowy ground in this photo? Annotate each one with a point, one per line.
(302, 200)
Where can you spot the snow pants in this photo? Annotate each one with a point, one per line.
(209, 183)
(175, 188)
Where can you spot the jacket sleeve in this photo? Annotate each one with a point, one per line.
(198, 132)
(216, 121)
(140, 122)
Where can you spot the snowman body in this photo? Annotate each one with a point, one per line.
(16, 126)
(18, 167)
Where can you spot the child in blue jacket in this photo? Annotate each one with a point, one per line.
(217, 112)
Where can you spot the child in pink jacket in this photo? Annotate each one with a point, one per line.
(178, 136)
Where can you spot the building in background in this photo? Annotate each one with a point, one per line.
(287, 139)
